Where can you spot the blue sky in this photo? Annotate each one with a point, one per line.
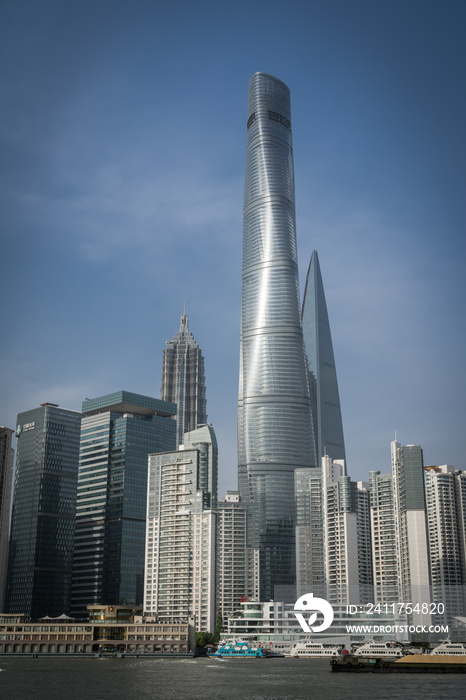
(122, 137)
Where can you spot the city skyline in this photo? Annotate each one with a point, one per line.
(105, 219)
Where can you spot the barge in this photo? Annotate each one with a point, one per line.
(411, 663)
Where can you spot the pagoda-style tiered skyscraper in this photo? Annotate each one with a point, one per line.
(326, 412)
(183, 380)
(275, 430)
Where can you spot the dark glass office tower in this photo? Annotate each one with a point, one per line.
(323, 385)
(275, 432)
(6, 476)
(118, 433)
(44, 506)
(183, 380)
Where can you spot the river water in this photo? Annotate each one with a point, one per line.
(211, 679)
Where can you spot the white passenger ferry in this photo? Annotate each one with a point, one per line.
(448, 648)
(314, 650)
(385, 650)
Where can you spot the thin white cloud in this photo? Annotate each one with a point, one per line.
(113, 210)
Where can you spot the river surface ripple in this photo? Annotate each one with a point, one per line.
(210, 679)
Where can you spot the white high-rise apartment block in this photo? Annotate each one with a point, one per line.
(310, 564)
(364, 543)
(445, 496)
(460, 479)
(232, 555)
(384, 549)
(204, 556)
(340, 534)
(333, 542)
(411, 528)
(180, 538)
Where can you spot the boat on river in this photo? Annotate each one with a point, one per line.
(315, 650)
(446, 657)
(411, 663)
(233, 649)
(380, 650)
(447, 648)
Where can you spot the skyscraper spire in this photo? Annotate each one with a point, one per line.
(275, 432)
(184, 325)
(328, 427)
(183, 379)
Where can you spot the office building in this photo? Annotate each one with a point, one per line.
(118, 433)
(6, 476)
(183, 380)
(180, 536)
(323, 385)
(275, 431)
(44, 508)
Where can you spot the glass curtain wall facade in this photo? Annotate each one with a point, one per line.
(183, 380)
(6, 476)
(118, 433)
(44, 507)
(275, 432)
(323, 385)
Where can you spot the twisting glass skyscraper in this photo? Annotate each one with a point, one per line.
(323, 385)
(275, 432)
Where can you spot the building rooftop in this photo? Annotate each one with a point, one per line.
(127, 402)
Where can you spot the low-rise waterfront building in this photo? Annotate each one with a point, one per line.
(110, 629)
(274, 623)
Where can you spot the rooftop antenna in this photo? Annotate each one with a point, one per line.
(184, 318)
